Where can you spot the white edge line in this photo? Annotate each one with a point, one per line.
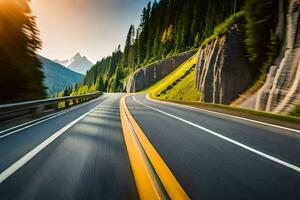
(41, 120)
(22, 161)
(281, 162)
(227, 115)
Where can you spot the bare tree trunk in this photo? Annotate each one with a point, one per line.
(234, 7)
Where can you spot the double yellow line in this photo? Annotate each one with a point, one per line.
(146, 162)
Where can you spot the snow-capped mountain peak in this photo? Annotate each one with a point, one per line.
(77, 63)
(76, 57)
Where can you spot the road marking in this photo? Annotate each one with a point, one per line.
(146, 183)
(41, 120)
(168, 180)
(26, 158)
(281, 162)
(227, 115)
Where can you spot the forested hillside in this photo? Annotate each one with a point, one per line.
(166, 28)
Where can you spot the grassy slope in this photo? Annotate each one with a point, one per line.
(179, 85)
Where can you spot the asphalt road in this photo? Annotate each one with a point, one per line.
(87, 161)
(81, 154)
(220, 157)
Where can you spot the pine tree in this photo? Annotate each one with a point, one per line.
(19, 42)
(128, 46)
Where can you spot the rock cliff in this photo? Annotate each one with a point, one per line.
(281, 89)
(152, 73)
(222, 72)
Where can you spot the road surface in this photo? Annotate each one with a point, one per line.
(82, 154)
(88, 161)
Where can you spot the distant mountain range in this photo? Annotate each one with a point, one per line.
(57, 77)
(77, 63)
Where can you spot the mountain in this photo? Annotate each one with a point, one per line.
(62, 62)
(77, 63)
(57, 77)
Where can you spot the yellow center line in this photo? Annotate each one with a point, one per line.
(171, 185)
(145, 182)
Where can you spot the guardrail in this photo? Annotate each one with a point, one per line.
(34, 108)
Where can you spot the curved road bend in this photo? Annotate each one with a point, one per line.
(86, 161)
(81, 154)
(219, 157)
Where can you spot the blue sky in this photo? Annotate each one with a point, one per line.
(92, 27)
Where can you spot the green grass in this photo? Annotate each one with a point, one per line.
(179, 85)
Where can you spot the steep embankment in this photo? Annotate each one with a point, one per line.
(222, 72)
(179, 85)
(281, 90)
(152, 73)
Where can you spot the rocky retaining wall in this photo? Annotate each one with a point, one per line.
(222, 70)
(281, 90)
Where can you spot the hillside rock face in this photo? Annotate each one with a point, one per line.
(152, 73)
(281, 89)
(222, 72)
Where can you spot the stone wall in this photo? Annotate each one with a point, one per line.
(152, 73)
(222, 71)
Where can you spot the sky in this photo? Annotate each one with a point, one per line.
(93, 28)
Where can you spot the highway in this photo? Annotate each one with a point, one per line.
(94, 151)
(207, 165)
(87, 161)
